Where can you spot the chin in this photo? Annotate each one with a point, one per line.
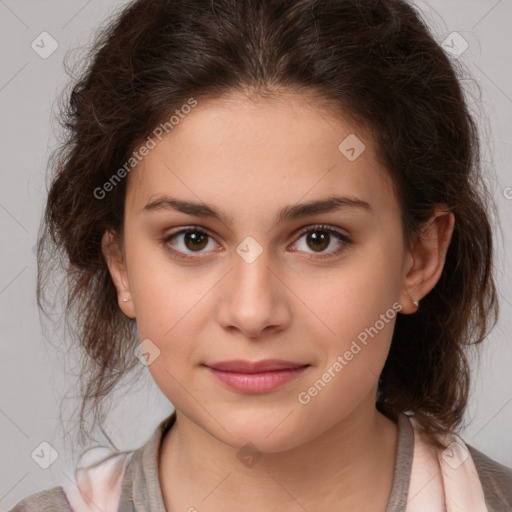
(269, 431)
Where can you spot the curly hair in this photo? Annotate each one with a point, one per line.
(374, 60)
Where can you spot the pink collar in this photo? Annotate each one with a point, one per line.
(443, 480)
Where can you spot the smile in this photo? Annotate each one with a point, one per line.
(260, 377)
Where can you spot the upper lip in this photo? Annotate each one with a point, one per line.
(265, 365)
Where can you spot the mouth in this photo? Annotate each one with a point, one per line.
(256, 377)
(266, 365)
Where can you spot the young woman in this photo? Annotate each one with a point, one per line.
(276, 207)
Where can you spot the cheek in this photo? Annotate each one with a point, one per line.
(351, 297)
(353, 357)
(164, 293)
(357, 307)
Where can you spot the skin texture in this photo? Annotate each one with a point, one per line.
(249, 159)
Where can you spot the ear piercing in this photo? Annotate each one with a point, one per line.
(415, 302)
(126, 300)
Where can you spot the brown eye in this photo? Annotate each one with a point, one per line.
(195, 240)
(184, 243)
(318, 240)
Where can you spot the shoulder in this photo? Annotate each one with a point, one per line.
(496, 480)
(468, 476)
(51, 500)
(95, 485)
(98, 486)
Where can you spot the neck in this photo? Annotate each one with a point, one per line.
(334, 468)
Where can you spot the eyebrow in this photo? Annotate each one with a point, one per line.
(290, 212)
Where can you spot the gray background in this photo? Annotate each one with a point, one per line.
(36, 377)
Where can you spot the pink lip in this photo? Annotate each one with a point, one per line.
(266, 365)
(256, 377)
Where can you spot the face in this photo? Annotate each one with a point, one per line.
(317, 287)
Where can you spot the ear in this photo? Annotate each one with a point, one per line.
(425, 260)
(111, 247)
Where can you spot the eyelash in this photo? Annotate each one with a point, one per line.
(195, 229)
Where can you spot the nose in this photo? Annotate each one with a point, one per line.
(254, 299)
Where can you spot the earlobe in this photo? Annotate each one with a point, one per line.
(113, 254)
(427, 258)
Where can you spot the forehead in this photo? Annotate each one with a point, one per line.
(245, 154)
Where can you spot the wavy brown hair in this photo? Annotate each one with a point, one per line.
(374, 60)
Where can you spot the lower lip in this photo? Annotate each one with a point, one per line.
(257, 382)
